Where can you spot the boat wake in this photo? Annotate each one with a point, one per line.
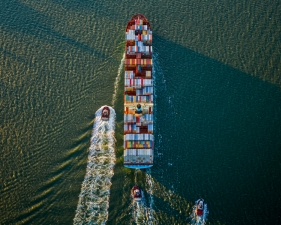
(142, 211)
(139, 212)
(150, 184)
(93, 201)
(199, 220)
(117, 80)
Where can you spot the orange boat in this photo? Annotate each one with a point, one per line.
(138, 95)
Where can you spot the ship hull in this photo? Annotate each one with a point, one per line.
(138, 95)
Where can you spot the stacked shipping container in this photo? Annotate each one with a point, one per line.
(138, 126)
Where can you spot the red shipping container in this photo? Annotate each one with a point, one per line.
(139, 37)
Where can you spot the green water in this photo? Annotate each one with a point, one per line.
(218, 112)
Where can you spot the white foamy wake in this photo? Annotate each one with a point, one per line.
(117, 80)
(142, 211)
(150, 183)
(93, 201)
(139, 212)
(199, 220)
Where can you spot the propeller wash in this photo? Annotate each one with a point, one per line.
(93, 201)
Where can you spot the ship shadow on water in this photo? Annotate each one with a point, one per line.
(223, 133)
(216, 137)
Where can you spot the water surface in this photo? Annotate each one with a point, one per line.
(217, 67)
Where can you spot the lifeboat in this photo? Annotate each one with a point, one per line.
(105, 113)
(136, 193)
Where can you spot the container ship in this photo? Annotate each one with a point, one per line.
(138, 95)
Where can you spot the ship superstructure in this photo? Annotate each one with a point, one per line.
(138, 95)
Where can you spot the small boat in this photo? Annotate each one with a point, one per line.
(136, 193)
(200, 212)
(105, 113)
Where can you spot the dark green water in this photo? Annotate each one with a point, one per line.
(218, 117)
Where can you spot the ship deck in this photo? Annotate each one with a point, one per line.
(138, 92)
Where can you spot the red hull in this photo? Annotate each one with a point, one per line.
(105, 113)
(199, 212)
(136, 193)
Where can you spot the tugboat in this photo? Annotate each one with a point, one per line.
(105, 113)
(136, 193)
(200, 212)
